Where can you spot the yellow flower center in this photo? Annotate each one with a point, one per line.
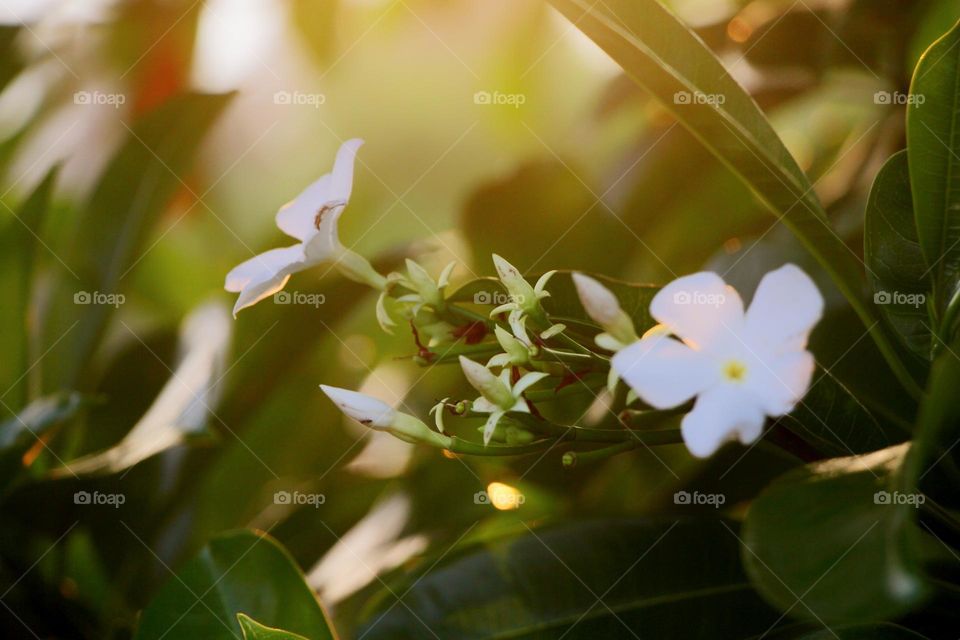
(735, 371)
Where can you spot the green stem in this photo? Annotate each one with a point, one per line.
(949, 319)
(574, 458)
(554, 355)
(453, 353)
(586, 434)
(458, 445)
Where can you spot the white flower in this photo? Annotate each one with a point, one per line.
(312, 219)
(740, 366)
(497, 395)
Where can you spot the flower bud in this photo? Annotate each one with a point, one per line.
(522, 293)
(603, 307)
(378, 415)
(489, 386)
(357, 268)
(364, 409)
(429, 291)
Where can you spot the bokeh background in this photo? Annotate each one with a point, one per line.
(490, 126)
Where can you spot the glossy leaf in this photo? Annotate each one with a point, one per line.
(933, 127)
(253, 630)
(27, 429)
(835, 423)
(555, 221)
(878, 631)
(896, 267)
(670, 61)
(117, 219)
(181, 409)
(237, 572)
(587, 580)
(851, 532)
(19, 247)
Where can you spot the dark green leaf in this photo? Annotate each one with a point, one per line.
(253, 630)
(938, 423)
(117, 220)
(818, 530)
(555, 221)
(25, 430)
(237, 572)
(19, 244)
(878, 631)
(933, 142)
(638, 579)
(896, 267)
(670, 61)
(832, 420)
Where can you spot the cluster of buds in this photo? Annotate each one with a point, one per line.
(740, 367)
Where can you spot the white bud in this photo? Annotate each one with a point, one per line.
(364, 409)
(597, 300)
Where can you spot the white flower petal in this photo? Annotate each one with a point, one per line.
(700, 309)
(298, 217)
(528, 381)
(725, 412)
(664, 372)
(786, 306)
(364, 409)
(263, 275)
(780, 382)
(490, 426)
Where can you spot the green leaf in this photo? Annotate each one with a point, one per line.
(116, 222)
(896, 267)
(832, 420)
(555, 221)
(933, 142)
(877, 631)
(19, 244)
(671, 62)
(253, 630)
(599, 579)
(849, 534)
(938, 424)
(237, 572)
(23, 431)
(180, 411)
